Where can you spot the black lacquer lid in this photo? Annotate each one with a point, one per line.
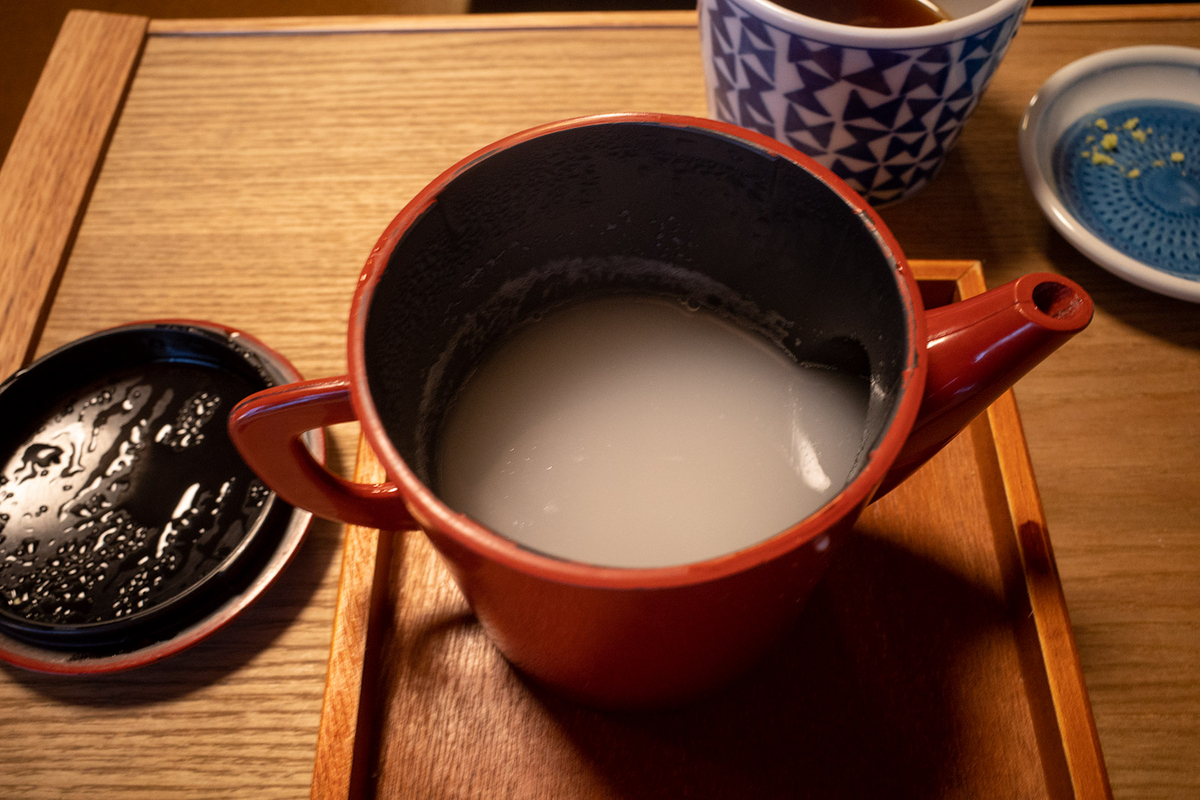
(130, 527)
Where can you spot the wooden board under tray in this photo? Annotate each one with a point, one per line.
(934, 660)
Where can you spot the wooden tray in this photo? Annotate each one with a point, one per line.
(935, 659)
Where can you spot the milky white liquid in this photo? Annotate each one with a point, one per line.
(633, 432)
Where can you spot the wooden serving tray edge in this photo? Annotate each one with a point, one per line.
(341, 768)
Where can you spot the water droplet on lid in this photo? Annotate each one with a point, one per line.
(105, 527)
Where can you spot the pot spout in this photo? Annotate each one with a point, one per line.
(980, 347)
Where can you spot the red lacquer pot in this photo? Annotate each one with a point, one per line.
(649, 204)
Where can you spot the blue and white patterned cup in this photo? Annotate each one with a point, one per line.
(879, 107)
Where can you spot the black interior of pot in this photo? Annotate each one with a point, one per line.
(124, 507)
(628, 207)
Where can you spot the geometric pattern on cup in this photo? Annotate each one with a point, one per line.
(881, 119)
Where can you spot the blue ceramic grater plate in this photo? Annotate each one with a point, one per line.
(1111, 148)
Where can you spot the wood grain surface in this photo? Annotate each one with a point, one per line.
(246, 180)
(1111, 421)
(51, 165)
(343, 764)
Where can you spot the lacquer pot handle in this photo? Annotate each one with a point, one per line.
(268, 429)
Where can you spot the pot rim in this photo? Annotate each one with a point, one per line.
(436, 516)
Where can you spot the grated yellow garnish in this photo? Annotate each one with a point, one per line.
(1102, 124)
(1130, 123)
(1109, 142)
(1101, 158)
(1089, 139)
(1139, 135)
(1177, 156)
(1086, 154)
(1133, 173)
(1158, 162)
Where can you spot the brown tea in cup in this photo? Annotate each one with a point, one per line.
(871, 13)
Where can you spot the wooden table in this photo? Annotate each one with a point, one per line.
(240, 170)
